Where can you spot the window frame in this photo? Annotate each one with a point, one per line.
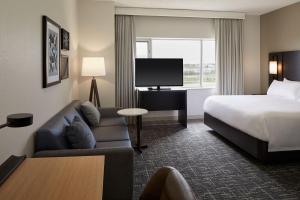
(149, 50)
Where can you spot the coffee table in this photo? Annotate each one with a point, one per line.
(135, 112)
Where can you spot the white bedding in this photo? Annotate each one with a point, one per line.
(270, 118)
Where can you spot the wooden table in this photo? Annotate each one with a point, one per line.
(56, 178)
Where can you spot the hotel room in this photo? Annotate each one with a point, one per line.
(141, 99)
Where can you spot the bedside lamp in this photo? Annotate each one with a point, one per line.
(273, 67)
(93, 66)
(273, 70)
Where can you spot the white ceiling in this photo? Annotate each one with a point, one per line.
(255, 7)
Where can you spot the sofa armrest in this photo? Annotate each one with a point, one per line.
(118, 170)
(109, 112)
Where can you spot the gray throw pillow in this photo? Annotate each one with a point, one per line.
(80, 135)
(91, 113)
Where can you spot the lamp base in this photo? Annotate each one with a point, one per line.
(9, 166)
(94, 95)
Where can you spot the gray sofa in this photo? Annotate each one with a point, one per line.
(112, 141)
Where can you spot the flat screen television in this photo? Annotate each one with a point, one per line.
(158, 72)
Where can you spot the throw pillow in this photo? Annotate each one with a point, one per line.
(91, 113)
(80, 135)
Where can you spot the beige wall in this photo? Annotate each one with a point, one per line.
(252, 54)
(97, 38)
(21, 68)
(280, 31)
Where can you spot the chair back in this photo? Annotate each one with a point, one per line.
(167, 184)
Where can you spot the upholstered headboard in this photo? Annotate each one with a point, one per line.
(288, 64)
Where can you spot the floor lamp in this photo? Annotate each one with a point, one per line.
(93, 66)
(14, 121)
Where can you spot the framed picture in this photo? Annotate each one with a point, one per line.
(51, 52)
(64, 67)
(65, 39)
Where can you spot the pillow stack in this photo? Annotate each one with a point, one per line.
(286, 88)
(78, 133)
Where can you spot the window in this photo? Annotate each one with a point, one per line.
(208, 63)
(198, 57)
(142, 49)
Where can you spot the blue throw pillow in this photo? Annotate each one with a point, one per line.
(80, 135)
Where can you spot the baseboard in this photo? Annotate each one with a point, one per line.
(159, 118)
(173, 117)
(195, 117)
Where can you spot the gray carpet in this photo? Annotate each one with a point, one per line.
(214, 168)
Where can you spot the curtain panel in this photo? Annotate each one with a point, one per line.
(229, 56)
(125, 54)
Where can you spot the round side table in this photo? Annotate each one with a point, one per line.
(135, 112)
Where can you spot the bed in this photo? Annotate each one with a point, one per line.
(265, 126)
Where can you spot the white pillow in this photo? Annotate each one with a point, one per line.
(296, 84)
(284, 89)
(285, 80)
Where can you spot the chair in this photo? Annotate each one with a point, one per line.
(167, 184)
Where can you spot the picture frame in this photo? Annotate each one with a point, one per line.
(65, 39)
(64, 67)
(51, 52)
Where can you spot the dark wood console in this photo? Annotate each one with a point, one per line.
(161, 100)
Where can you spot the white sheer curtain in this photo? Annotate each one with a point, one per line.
(125, 51)
(229, 56)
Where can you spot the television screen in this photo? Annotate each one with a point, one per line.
(158, 72)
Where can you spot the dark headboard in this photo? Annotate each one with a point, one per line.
(288, 64)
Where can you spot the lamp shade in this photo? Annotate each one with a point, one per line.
(19, 120)
(273, 67)
(93, 66)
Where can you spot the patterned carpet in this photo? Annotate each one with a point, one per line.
(213, 167)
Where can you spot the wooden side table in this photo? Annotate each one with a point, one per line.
(56, 178)
(135, 112)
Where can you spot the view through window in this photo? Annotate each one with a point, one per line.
(198, 57)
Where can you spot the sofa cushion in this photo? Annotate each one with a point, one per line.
(70, 113)
(51, 136)
(80, 135)
(114, 144)
(108, 112)
(113, 121)
(91, 113)
(111, 133)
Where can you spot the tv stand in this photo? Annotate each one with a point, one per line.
(158, 88)
(161, 100)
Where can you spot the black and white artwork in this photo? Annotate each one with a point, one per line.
(64, 67)
(51, 52)
(65, 39)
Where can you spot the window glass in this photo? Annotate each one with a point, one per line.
(198, 57)
(189, 50)
(142, 50)
(208, 63)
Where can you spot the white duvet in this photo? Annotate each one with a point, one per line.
(269, 118)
